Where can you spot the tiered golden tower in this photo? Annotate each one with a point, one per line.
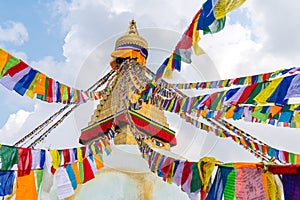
(149, 119)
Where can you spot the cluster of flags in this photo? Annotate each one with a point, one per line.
(239, 81)
(231, 180)
(18, 76)
(265, 102)
(210, 19)
(32, 171)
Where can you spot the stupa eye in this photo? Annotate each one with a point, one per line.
(157, 143)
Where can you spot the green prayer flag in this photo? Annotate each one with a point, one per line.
(41, 97)
(8, 157)
(216, 26)
(242, 81)
(293, 125)
(65, 96)
(229, 190)
(81, 172)
(46, 88)
(292, 158)
(196, 181)
(13, 61)
(216, 101)
(262, 116)
(254, 93)
(39, 178)
(276, 116)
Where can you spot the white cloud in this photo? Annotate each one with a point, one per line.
(13, 125)
(271, 41)
(60, 71)
(14, 32)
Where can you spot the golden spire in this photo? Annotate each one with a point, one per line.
(131, 37)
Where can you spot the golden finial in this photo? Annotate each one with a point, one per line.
(132, 37)
(132, 28)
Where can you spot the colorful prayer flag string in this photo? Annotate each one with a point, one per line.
(18, 76)
(211, 19)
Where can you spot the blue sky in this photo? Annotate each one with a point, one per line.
(45, 36)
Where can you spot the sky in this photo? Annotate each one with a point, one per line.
(71, 41)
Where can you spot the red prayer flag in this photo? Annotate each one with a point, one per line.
(88, 172)
(19, 67)
(24, 161)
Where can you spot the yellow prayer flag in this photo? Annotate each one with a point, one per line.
(196, 38)
(225, 6)
(55, 158)
(168, 70)
(262, 97)
(93, 149)
(40, 87)
(272, 189)
(4, 57)
(171, 173)
(297, 117)
(206, 166)
(79, 154)
(75, 96)
(98, 161)
(248, 80)
(31, 88)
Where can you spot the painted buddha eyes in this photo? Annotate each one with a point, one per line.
(157, 143)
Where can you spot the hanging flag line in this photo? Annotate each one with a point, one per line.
(44, 135)
(107, 78)
(281, 155)
(245, 142)
(47, 132)
(18, 76)
(252, 103)
(39, 128)
(218, 131)
(250, 143)
(246, 80)
(233, 128)
(210, 18)
(37, 157)
(137, 76)
(32, 171)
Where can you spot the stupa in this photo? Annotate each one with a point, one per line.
(130, 54)
(150, 120)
